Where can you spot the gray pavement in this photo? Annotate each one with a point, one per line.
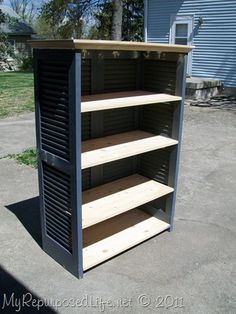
(195, 262)
(17, 134)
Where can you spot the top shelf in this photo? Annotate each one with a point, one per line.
(85, 44)
(123, 99)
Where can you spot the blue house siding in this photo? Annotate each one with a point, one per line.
(215, 40)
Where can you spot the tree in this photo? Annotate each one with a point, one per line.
(64, 18)
(116, 19)
(116, 29)
(132, 21)
(26, 9)
(42, 28)
(5, 47)
(103, 25)
(2, 17)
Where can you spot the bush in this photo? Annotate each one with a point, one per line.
(25, 62)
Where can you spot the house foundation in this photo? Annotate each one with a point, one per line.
(202, 89)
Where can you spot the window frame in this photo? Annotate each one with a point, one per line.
(183, 19)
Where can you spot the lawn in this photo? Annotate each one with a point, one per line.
(16, 93)
(28, 157)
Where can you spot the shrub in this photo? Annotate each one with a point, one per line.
(25, 62)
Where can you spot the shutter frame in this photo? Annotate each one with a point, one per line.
(65, 165)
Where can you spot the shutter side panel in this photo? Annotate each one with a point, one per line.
(54, 108)
(58, 129)
(57, 206)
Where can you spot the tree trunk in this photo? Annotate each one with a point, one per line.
(116, 31)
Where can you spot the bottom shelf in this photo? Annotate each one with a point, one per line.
(115, 235)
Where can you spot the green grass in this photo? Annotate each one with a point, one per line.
(28, 157)
(16, 93)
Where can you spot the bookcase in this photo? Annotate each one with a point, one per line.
(108, 121)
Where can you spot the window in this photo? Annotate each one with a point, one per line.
(181, 34)
(12, 42)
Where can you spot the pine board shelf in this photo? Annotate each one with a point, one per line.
(119, 196)
(119, 234)
(123, 99)
(114, 147)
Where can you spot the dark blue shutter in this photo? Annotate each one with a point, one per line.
(57, 94)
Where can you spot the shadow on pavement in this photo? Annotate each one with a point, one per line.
(28, 212)
(16, 298)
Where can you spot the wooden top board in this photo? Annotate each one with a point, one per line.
(123, 99)
(86, 44)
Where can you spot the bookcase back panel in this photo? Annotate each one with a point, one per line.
(159, 76)
(86, 179)
(159, 203)
(119, 169)
(127, 74)
(86, 76)
(157, 119)
(120, 75)
(86, 126)
(155, 165)
(118, 121)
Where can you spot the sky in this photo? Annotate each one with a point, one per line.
(38, 2)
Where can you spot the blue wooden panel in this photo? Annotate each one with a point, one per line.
(58, 126)
(215, 40)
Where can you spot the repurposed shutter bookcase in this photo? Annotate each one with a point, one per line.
(108, 119)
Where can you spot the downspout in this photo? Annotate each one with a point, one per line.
(145, 19)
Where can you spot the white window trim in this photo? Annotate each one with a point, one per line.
(179, 19)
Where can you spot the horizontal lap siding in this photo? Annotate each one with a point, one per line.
(215, 41)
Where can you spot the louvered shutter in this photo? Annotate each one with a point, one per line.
(57, 95)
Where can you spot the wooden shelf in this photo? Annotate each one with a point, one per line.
(113, 236)
(110, 148)
(114, 198)
(123, 99)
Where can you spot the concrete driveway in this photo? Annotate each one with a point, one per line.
(190, 270)
(16, 134)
